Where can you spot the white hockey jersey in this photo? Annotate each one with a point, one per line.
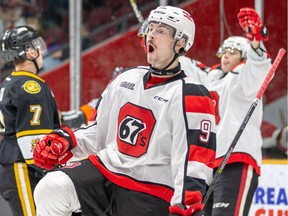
(233, 94)
(194, 68)
(158, 140)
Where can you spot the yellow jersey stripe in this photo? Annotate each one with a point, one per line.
(29, 190)
(25, 73)
(29, 161)
(33, 132)
(24, 189)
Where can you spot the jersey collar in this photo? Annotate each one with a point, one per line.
(26, 73)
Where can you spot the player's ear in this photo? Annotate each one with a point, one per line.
(180, 46)
(31, 53)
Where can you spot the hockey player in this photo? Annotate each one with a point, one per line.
(234, 85)
(28, 111)
(153, 138)
(231, 74)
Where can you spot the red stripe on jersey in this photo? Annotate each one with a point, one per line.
(162, 192)
(203, 155)
(215, 67)
(241, 189)
(201, 65)
(240, 158)
(93, 115)
(195, 104)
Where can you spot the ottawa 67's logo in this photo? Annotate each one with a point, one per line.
(135, 126)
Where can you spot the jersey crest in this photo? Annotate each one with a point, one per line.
(32, 87)
(134, 131)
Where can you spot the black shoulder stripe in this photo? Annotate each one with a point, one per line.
(195, 90)
(98, 102)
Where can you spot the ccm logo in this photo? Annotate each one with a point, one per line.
(160, 99)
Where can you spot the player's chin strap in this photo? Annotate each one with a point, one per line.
(36, 66)
(164, 71)
(35, 62)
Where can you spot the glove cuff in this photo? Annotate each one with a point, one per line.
(260, 50)
(67, 134)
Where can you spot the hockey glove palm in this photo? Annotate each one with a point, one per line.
(251, 23)
(54, 148)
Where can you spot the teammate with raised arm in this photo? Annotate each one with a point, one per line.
(28, 111)
(153, 141)
(234, 85)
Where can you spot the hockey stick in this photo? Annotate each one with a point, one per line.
(260, 93)
(137, 12)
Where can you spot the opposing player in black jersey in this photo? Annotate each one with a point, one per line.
(152, 143)
(28, 111)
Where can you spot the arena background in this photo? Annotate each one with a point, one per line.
(123, 49)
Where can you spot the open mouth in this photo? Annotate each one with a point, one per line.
(150, 48)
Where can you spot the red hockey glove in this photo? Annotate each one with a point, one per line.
(251, 23)
(54, 148)
(180, 210)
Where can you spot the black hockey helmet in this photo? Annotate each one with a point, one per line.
(14, 43)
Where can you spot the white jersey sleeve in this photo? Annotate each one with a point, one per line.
(252, 73)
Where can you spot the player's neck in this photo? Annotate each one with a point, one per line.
(26, 66)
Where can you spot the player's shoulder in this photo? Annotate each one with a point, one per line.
(192, 87)
(28, 83)
(237, 68)
(190, 61)
(191, 80)
(133, 71)
(129, 74)
(138, 69)
(23, 78)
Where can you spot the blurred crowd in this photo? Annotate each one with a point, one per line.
(51, 19)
